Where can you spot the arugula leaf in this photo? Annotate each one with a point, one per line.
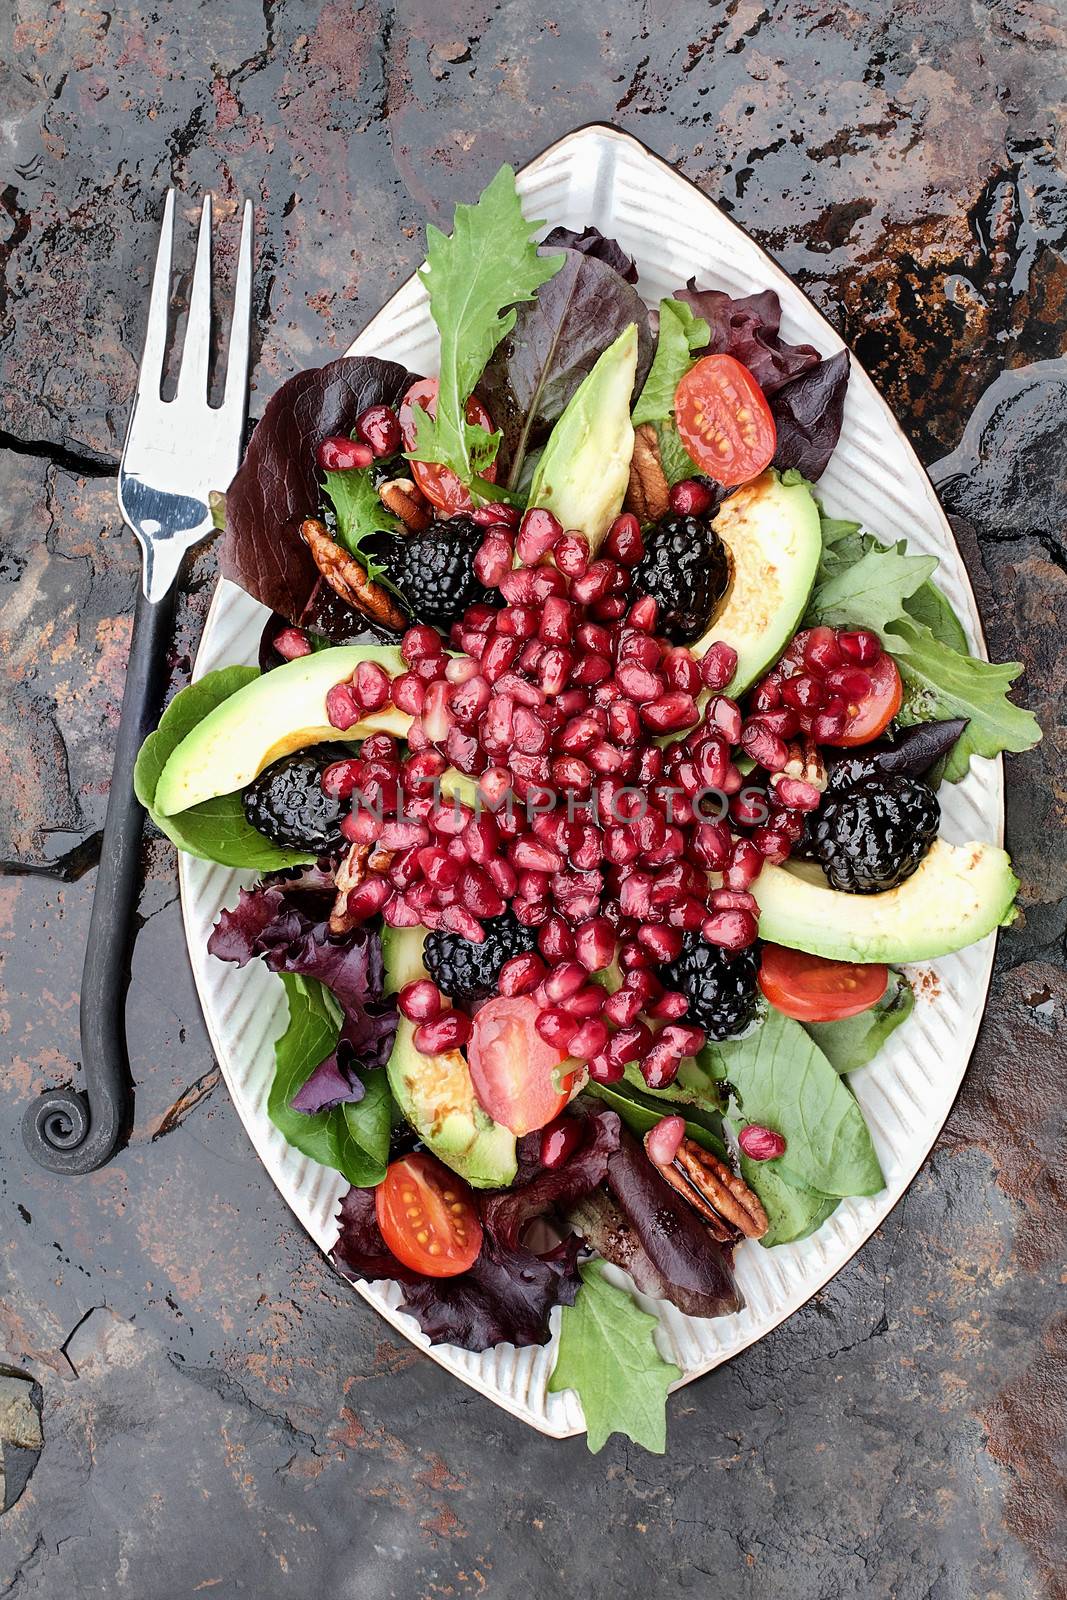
(360, 513)
(489, 262)
(608, 1356)
(793, 1211)
(870, 592)
(681, 333)
(853, 1041)
(353, 1138)
(215, 830)
(940, 683)
(784, 1081)
(675, 459)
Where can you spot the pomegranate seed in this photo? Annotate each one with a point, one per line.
(624, 542)
(851, 682)
(424, 767)
(772, 844)
(605, 759)
(669, 1006)
(494, 558)
(498, 656)
(555, 668)
(686, 1039)
(361, 827)
(291, 643)
(710, 844)
(468, 701)
(379, 427)
(725, 715)
(665, 944)
(526, 694)
(555, 940)
(518, 622)
(670, 713)
(563, 981)
(339, 780)
(860, 645)
(733, 900)
(761, 1144)
(504, 876)
(803, 692)
(538, 532)
(559, 1141)
(367, 898)
(478, 893)
(733, 930)
(821, 652)
(718, 665)
(420, 643)
(637, 682)
(342, 708)
(643, 613)
(784, 722)
(450, 817)
(594, 943)
(520, 974)
(547, 581)
(643, 983)
(591, 669)
(660, 1067)
(588, 1039)
(630, 1043)
(764, 746)
(594, 584)
(557, 1028)
(633, 956)
(744, 865)
(663, 1142)
(420, 1001)
(534, 886)
(534, 856)
(499, 511)
(338, 454)
(588, 1002)
(571, 554)
(403, 835)
(622, 1008)
(691, 498)
(517, 587)
(557, 621)
(603, 1070)
(682, 671)
(620, 847)
(795, 794)
(445, 1032)
(766, 696)
(826, 726)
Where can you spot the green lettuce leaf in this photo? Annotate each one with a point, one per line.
(353, 1138)
(852, 1042)
(783, 1081)
(608, 1356)
(490, 262)
(870, 592)
(360, 514)
(675, 459)
(793, 1211)
(681, 333)
(215, 830)
(940, 683)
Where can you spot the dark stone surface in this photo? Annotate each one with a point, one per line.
(220, 1414)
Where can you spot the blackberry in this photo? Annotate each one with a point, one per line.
(467, 972)
(286, 802)
(434, 570)
(721, 985)
(872, 835)
(686, 571)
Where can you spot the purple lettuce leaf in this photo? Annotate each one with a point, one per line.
(808, 413)
(546, 1191)
(277, 487)
(747, 329)
(591, 242)
(331, 1084)
(284, 921)
(555, 343)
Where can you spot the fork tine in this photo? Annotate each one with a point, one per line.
(196, 351)
(240, 323)
(150, 376)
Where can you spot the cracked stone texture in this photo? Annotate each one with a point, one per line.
(199, 1367)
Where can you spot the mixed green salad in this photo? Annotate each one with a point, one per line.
(590, 775)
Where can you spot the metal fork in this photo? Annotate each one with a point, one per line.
(175, 453)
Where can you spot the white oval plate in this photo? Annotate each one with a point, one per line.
(598, 175)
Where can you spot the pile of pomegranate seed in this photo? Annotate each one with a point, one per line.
(811, 688)
(595, 747)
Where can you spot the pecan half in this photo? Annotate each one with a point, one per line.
(349, 875)
(648, 492)
(348, 579)
(404, 500)
(804, 762)
(724, 1200)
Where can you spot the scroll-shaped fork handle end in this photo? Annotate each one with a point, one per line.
(76, 1131)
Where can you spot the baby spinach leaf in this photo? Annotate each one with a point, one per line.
(853, 1041)
(608, 1356)
(681, 334)
(353, 1138)
(640, 1113)
(793, 1211)
(489, 263)
(784, 1082)
(215, 830)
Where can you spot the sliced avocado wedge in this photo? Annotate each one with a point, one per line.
(277, 713)
(772, 533)
(436, 1095)
(402, 956)
(959, 894)
(585, 466)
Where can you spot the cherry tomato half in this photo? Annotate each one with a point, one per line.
(439, 484)
(514, 1070)
(724, 420)
(812, 989)
(428, 1217)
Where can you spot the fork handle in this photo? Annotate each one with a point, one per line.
(76, 1131)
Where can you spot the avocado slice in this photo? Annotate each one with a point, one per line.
(585, 466)
(772, 534)
(281, 711)
(958, 894)
(435, 1093)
